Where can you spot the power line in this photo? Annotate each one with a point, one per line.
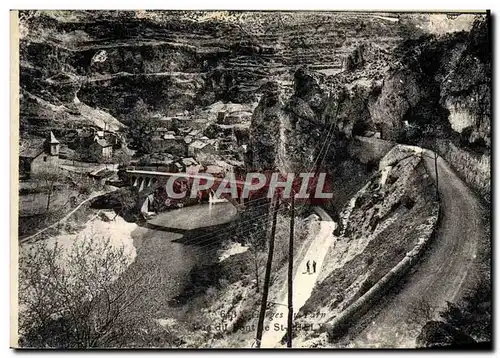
(267, 278)
(290, 275)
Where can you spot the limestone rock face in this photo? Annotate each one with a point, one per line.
(442, 87)
(264, 133)
(190, 58)
(285, 130)
(330, 88)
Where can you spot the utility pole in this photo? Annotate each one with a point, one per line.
(290, 274)
(437, 178)
(435, 157)
(267, 278)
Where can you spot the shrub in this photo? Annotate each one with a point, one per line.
(71, 299)
(336, 332)
(369, 261)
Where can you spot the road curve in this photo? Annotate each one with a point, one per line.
(439, 277)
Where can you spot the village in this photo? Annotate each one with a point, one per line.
(212, 141)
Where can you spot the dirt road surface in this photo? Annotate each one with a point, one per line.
(441, 274)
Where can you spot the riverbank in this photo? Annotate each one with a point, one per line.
(103, 225)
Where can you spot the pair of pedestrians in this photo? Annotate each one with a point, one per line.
(308, 266)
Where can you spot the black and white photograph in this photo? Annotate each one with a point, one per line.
(213, 179)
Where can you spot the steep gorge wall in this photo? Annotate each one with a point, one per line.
(436, 89)
(451, 77)
(473, 168)
(193, 58)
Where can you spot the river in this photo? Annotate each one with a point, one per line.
(166, 260)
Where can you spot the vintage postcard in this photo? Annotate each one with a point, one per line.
(251, 179)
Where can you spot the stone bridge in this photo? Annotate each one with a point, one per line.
(144, 179)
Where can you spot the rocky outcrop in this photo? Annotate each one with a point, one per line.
(473, 168)
(437, 334)
(177, 61)
(436, 91)
(210, 55)
(285, 130)
(267, 121)
(441, 87)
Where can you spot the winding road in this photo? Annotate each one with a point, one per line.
(440, 276)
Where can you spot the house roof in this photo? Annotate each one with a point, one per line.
(198, 144)
(169, 136)
(223, 164)
(189, 161)
(185, 129)
(103, 143)
(160, 158)
(31, 147)
(214, 169)
(195, 132)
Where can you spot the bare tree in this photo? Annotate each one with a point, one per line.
(48, 178)
(73, 298)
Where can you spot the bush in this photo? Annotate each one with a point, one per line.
(71, 298)
(369, 261)
(334, 333)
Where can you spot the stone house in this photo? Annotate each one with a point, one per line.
(190, 165)
(37, 155)
(169, 142)
(201, 147)
(109, 136)
(101, 149)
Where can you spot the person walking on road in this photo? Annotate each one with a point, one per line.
(314, 266)
(308, 266)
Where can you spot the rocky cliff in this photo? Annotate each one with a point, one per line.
(329, 91)
(434, 91)
(175, 61)
(394, 212)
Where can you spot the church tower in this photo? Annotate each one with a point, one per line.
(54, 145)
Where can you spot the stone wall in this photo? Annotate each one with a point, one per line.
(474, 169)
